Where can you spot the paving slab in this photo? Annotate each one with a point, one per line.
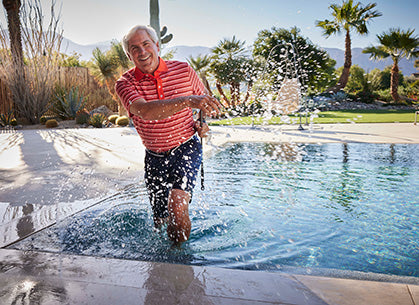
(70, 279)
(414, 292)
(65, 165)
(318, 133)
(349, 292)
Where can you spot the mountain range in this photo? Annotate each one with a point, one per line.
(183, 52)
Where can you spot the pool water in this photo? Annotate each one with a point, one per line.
(270, 206)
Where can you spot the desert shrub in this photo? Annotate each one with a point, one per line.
(51, 123)
(82, 117)
(6, 118)
(340, 96)
(100, 96)
(113, 118)
(43, 119)
(97, 119)
(68, 103)
(31, 78)
(122, 121)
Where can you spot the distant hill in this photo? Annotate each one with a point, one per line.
(183, 52)
(85, 51)
(362, 60)
(358, 58)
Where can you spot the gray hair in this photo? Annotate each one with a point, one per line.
(150, 31)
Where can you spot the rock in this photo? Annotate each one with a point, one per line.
(103, 110)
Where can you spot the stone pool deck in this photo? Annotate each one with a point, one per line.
(49, 174)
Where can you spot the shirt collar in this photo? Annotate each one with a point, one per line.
(160, 69)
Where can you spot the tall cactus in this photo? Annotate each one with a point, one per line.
(154, 16)
(155, 23)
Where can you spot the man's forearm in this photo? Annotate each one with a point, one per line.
(162, 109)
(159, 109)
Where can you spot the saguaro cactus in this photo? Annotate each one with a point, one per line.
(155, 23)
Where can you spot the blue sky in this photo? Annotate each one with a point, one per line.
(205, 22)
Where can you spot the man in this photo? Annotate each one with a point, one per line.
(159, 97)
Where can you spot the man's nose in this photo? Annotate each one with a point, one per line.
(141, 50)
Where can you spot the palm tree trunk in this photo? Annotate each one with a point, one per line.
(235, 93)
(237, 90)
(223, 96)
(343, 79)
(205, 82)
(232, 95)
(15, 36)
(249, 88)
(394, 82)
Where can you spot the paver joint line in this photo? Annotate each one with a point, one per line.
(410, 292)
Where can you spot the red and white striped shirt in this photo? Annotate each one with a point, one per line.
(171, 79)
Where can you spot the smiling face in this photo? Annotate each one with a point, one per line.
(143, 52)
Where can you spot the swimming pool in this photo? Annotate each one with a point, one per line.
(269, 207)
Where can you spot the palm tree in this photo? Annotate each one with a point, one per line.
(201, 64)
(229, 67)
(347, 17)
(397, 44)
(15, 35)
(105, 69)
(120, 57)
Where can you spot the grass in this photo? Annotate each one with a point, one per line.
(329, 117)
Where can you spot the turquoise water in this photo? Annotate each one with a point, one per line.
(266, 207)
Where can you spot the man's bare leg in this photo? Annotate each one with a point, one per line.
(179, 225)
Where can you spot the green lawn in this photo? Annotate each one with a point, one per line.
(343, 116)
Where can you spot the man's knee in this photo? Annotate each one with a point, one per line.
(179, 199)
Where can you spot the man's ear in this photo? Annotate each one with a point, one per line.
(158, 47)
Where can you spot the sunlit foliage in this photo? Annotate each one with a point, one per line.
(316, 66)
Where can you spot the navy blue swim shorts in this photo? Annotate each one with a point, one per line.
(176, 169)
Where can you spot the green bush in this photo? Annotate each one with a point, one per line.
(411, 91)
(97, 119)
(82, 117)
(51, 123)
(122, 121)
(113, 118)
(366, 97)
(384, 95)
(68, 103)
(356, 79)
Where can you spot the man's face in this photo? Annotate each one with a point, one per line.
(143, 52)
